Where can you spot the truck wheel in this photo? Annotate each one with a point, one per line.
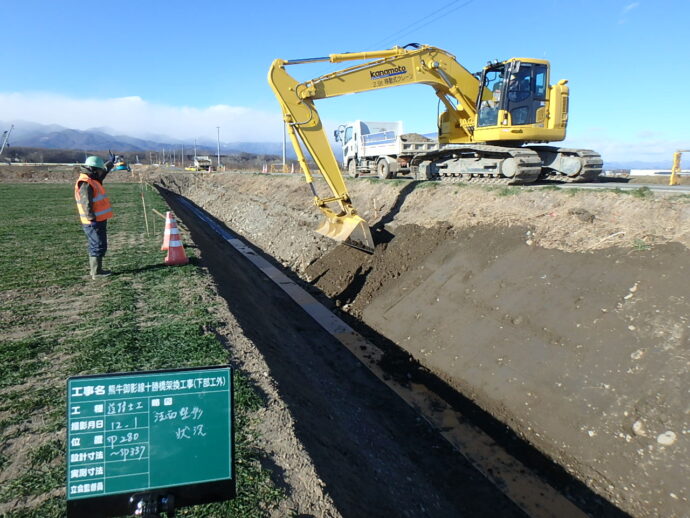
(383, 169)
(352, 169)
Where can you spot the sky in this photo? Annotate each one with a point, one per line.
(181, 69)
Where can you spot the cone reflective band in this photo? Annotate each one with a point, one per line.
(171, 231)
(172, 242)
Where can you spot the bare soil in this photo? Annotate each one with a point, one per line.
(339, 442)
(563, 314)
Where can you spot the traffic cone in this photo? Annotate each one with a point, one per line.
(171, 230)
(172, 242)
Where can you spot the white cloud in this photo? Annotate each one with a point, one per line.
(626, 9)
(643, 146)
(630, 7)
(137, 117)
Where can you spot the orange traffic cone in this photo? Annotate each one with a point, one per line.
(172, 242)
(170, 230)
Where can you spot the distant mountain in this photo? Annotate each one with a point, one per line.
(58, 137)
(53, 136)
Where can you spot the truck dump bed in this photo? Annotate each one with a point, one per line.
(391, 144)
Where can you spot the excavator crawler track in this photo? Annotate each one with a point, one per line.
(478, 163)
(569, 165)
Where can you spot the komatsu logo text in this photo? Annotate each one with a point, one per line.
(380, 74)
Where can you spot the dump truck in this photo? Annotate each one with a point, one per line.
(381, 148)
(202, 163)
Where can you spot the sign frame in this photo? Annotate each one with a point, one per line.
(178, 494)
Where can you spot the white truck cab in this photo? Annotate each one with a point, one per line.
(380, 147)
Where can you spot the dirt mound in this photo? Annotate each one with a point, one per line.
(415, 137)
(354, 279)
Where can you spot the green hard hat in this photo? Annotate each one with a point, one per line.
(95, 161)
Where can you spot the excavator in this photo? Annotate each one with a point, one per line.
(487, 132)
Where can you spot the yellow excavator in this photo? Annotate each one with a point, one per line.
(486, 133)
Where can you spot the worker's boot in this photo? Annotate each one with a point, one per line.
(93, 266)
(100, 272)
(96, 268)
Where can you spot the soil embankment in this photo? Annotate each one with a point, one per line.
(564, 314)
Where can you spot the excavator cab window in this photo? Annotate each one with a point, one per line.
(517, 87)
(490, 95)
(526, 92)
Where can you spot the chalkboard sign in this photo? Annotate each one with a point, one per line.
(167, 433)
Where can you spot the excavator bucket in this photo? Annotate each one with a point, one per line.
(350, 230)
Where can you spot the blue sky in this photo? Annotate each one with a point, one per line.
(182, 68)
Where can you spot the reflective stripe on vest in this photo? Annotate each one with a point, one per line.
(101, 204)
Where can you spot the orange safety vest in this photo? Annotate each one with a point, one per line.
(101, 203)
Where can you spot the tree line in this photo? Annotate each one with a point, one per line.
(21, 154)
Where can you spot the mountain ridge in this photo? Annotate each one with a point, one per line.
(54, 136)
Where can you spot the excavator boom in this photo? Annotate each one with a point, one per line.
(398, 67)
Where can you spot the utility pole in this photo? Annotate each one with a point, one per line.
(195, 151)
(182, 157)
(218, 130)
(284, 164)
(5, 138)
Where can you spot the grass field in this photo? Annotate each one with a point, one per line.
(55, 322)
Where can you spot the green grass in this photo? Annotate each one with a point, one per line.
(551, 188)
(507, 191)
(56, 322)
(642, 192)
(640, 246)
(428, 184)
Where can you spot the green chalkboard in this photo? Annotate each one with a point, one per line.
(148, 431)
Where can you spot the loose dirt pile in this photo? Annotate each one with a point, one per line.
(564, 314)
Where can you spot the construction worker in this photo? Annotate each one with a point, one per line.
(94, 210)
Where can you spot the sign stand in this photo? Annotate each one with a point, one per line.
(150, 505)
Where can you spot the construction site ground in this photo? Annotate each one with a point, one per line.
(562, 314)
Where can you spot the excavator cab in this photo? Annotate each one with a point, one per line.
(513, 93)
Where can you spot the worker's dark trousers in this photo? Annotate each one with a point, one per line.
(96, 234)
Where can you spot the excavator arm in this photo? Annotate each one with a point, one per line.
(301, 118)
(454, 85)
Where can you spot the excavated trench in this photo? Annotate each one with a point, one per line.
(564, 317)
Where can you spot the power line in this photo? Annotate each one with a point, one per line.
(411, 25)
(414, 26)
